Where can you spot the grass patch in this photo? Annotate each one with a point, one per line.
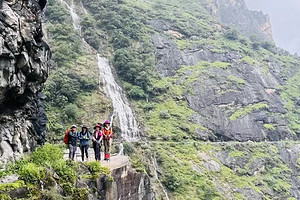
(247, 110)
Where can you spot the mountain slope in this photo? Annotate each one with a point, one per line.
(192, 78)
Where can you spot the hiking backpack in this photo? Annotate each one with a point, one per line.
(66, 139)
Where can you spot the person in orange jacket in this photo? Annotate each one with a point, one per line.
(107, 139)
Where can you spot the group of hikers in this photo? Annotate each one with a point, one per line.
(102, 134)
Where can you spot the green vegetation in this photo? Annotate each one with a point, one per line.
(120, 30)
(269, 127)
(248, 60)
(72, 87)
(44, 168)
(96, 168)
(247, 110)
(236, 153)
(236, 80)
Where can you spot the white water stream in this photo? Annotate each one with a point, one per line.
(75, 17)
(122, 109)
(156, 176)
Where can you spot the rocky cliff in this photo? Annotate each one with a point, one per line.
(23, 70)
(235, 14)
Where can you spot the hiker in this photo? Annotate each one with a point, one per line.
(84, 137)
(70, 139)
(97, 141)
(108, 135)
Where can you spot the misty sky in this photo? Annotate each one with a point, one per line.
(285, 16)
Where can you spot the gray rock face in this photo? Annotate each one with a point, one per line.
(218, 99)
(218, 93)
(127, 184)
(168, 55)
(235, 13)
(23, 70)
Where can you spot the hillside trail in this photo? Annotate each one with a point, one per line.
(116, 160)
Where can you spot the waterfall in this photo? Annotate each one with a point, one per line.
(156, 176)
(75, 17)
(122, 110)
(84, 10)
(121, 149)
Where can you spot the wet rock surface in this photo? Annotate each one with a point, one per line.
(23, 70)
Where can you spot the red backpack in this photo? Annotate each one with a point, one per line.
(66, 139)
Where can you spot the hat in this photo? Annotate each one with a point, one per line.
(73, 126)
(106, 122)
(97, 125)
(84, 126)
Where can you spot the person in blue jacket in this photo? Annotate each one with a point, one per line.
(84, 137)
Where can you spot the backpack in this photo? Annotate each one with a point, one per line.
(66, 139)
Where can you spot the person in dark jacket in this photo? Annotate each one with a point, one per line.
(72, 141)
(97, 141)
(84, 138)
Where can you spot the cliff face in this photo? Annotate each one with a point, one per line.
(236, 94)
(126, 184)
(23, 70)
(235, 14)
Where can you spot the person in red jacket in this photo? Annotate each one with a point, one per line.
(107, 139)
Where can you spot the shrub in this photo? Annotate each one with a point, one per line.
(65, 172)
(31, 173)
(81, 194)
(137, 92)
(172, 182)
(4, 197)
(164, 114)
(128, 148)
(71, 111)
(47, 155)
(51, 194)
(96, 168)
(231, 34)
(68, 189)
(11, 186)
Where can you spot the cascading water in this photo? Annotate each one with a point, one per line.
(156, 176)
(84, 10)
(75, 17)
(121, 149)
(122, 110)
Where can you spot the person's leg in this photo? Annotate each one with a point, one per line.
(82, 152)
(105, 146)
(109, 145)
(94, 147)
(74, 151)
(98, 152)
(70, 151)
(86, 151)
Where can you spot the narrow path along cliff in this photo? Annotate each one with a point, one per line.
(115, 162)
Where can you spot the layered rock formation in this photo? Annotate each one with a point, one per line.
(23, 70)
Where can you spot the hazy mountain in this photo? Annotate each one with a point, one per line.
(285, 21)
